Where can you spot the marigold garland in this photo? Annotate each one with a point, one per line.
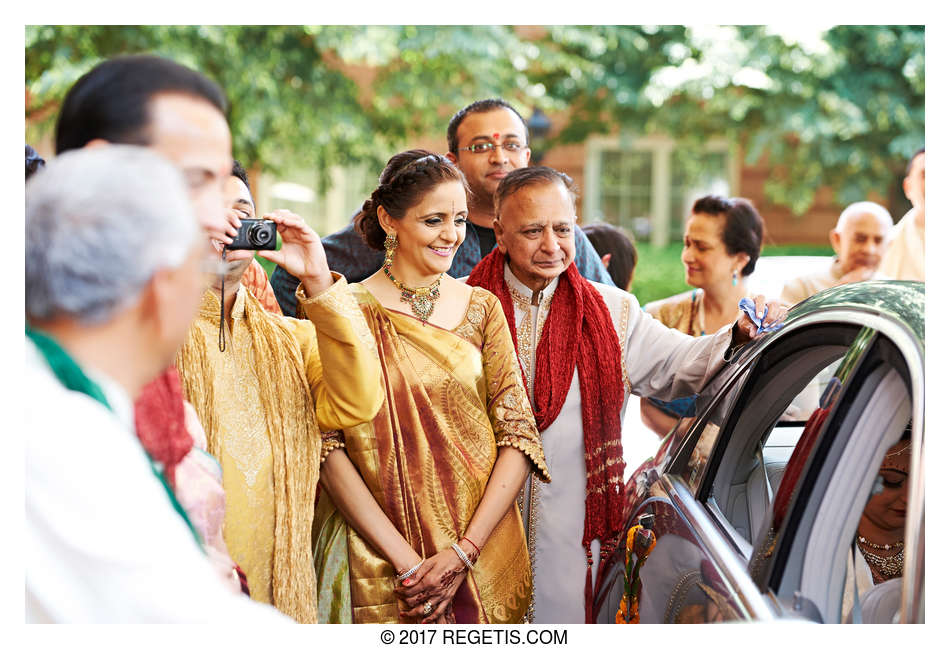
(640, 543)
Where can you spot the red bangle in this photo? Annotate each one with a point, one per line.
(477, 549)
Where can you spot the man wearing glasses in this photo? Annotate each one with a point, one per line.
(486, 140)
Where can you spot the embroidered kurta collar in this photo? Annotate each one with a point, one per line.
(523, 294)
(211, 304)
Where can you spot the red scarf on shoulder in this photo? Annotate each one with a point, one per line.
(578, 333)
(160, 422)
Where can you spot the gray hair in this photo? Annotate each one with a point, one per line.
(100, 223)
(864, 207)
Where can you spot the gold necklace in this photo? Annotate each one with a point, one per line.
(421, 300)
(889, 567)
(886, 546)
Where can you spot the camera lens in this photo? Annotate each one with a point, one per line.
(259, 234)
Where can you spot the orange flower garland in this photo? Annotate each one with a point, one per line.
(640, 543)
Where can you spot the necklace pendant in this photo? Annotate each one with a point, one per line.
(421, 300)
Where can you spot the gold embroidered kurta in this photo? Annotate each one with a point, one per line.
(452, 398)
(270, 476)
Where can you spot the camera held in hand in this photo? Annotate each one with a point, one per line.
(255, 234)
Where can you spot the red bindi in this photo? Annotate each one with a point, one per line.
(496, 136)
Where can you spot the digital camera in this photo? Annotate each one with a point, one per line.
(255, 234)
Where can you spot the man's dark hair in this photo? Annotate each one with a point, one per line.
(608, 239)
(110, 102)
(743, 229)
(480, 106)
(521, 178)
(33, 161)
(240, 173)
(910, 162)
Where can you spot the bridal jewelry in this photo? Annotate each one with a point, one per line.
(886, 546)
(421, 300)
(889, 567)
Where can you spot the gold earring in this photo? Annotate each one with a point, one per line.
(390, 245)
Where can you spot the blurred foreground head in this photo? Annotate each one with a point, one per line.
(113, 249)
(157, 103)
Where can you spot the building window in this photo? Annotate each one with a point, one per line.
(637, 184)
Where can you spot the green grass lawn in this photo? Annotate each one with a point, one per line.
(660, 274)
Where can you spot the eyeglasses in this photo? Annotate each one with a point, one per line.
(485, 147)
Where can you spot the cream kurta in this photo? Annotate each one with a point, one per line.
(904, 258)
(337, 355)
(656, 361)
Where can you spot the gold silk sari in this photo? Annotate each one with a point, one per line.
(452, 398)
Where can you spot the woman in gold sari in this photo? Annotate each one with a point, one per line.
(417, 519)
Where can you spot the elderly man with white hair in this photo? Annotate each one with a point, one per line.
(859, 240)
(114, 258)
(584, 348)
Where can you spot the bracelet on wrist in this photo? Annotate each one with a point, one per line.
(478, 550)
(464, 557)
(410, 572)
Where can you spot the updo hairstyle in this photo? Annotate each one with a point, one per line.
(743, 227)
(407, 178)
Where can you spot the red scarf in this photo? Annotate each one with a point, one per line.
(578, 333)
(160, 422)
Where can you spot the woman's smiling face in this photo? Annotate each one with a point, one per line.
(431, 231)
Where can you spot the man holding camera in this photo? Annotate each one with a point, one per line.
(264, 386)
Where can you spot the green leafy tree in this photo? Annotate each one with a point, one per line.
(292, 99)
(842, 108)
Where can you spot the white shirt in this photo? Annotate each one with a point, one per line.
(103, 543)
(656, 361)
(904, 257)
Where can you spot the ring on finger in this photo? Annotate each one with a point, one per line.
(427, 608)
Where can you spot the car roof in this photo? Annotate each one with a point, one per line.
(901, 301)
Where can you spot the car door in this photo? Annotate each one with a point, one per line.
(805, 556)
(715, 497)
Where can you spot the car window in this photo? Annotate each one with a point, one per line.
(690, 465)
(767, 431)
(748, 478)
(856, 471)
(749, 435)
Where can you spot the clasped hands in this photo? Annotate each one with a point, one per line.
(435, 582)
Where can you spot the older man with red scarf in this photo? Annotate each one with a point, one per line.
(584, 348)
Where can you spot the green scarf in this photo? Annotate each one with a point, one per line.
(71, 376)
